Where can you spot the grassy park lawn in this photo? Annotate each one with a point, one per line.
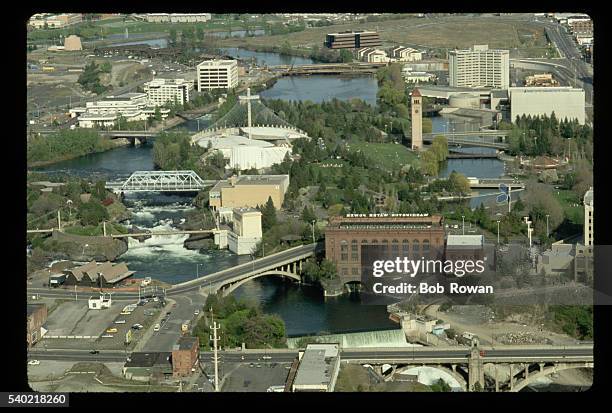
(387, 155)
(571, 204)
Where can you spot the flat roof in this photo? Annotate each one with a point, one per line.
(224, 62)
(186, 343)
(465, 240)
(149, 359)
(261, 179)
(315, 367)
(546, 89)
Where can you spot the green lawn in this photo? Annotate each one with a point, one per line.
(568, 199)
(388, 155)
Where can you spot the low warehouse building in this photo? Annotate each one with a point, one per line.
(318, 369)
(37, 317)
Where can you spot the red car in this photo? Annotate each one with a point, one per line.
(482, 353)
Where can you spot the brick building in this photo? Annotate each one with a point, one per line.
(185, 355)
(37, 317)
(411, 235)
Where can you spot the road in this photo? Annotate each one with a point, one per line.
(583, 352)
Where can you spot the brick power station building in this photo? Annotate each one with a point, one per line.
(411, 235)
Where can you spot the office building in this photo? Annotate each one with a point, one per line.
(352, 40)
(54, 21)
(479, 67)
(318, 368)
(565, 101)
(416, 76)
(580, 24)
(249, 191)
(411, 235)
(162, 91)
(416, 120)
(106, 111)
(217, 74)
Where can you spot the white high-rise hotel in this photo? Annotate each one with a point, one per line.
(217, 74)
(479, 67)
(162, 91)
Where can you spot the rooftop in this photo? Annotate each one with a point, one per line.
(149, 359)
(231, 141)
(316, 365)
(465, 240)
(218, 62)
(588, 197)
(186, 343)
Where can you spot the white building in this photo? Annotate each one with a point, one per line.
(217, 74)
(589, 207)
(54, 21)
(411, 76)
(162, 91)
(246, 231)
(406, 54)
(177, 17)
(106, 111)
(479, 67)
(318, 369)
(372, 55)
(100, 302)
(565, 101)
(244, 153)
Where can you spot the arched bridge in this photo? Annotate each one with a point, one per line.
(485, 139)
(161, 181)
(286, 264)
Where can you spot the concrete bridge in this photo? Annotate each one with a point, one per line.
(161, 181)
(478, 139)
(526, 364)
(494, 183)
(327, 68)
(285, 264)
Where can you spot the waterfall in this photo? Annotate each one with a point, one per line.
(380, 338)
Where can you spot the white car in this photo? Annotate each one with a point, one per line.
(196, 312)
(33, 362)
(156, 328)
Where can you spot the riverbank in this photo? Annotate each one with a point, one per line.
(111, 144)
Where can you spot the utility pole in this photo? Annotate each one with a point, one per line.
(547, 233)
(498, 233)
(463, 224)
(313, 234)
(76, 296)
(509, 197)
(59, 220)
(215, 355)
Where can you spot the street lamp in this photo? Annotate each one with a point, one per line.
(547, 233)
(498, 232)
(463, 223)
(84, 246)
(313, 234)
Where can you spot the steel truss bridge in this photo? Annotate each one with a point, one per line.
(161, 181)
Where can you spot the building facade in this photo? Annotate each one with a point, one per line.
(54, 21)
(417, 120)
(589, 207)
(185, 356)
(413, 235)
(406, 54)
(464, 247)
(479, 67)
(352, 40)
(217, 74)
(37, 317)
(565, 101)
(249, 191)
(72, 43)
(177, 17)
(246, 231)
(162, 91)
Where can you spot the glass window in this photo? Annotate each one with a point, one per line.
(354, 250)
(395, 247)
(405, 247)
(343, 250)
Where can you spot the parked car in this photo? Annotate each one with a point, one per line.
(196, 312)
(94, 352)
(156, 327)
(33, 362)
(111, 330)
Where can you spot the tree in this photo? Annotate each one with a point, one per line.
(157, 115)
(268, 214)
(92, 213)
(459, 183)
(308, 215)
(440, 147)
(346, 56)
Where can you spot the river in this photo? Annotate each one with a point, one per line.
(303, 308)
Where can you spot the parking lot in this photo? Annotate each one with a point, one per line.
(75, 319)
